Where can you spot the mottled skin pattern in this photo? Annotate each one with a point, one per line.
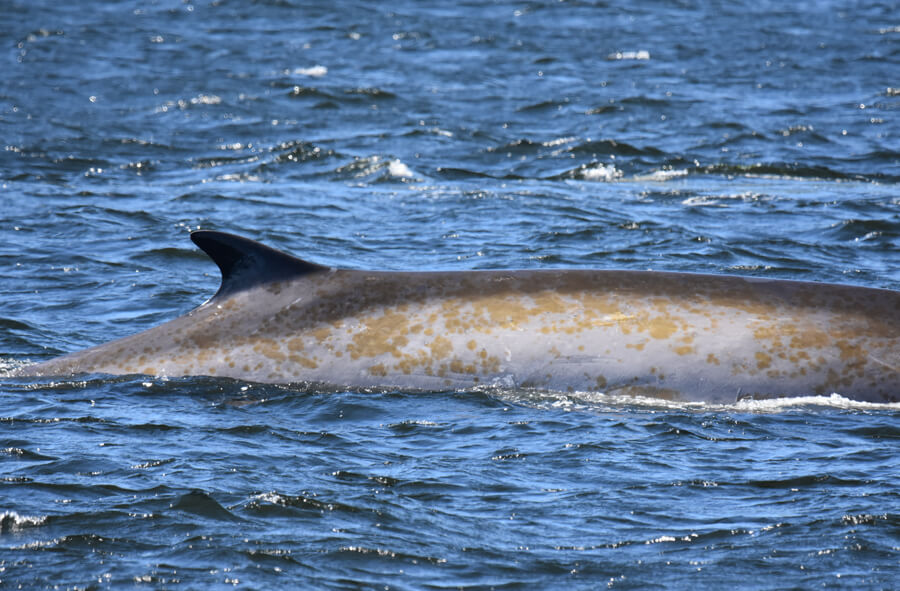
(679, 336)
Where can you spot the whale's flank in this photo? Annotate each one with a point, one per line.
(279, 319)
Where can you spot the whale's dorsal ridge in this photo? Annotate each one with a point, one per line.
(245, 263)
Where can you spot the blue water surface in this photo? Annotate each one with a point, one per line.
(756, 138)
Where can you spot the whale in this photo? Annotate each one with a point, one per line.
(280, 319)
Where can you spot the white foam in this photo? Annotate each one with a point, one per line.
(316, 71)
(399, 170)
(273, 498)
(206, 99)
(588, 401)
(559, 141)
(600, 172)
(833, 401)
(643, 54)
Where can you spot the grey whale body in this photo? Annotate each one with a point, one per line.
(279, 319)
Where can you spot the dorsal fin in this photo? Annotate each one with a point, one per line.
(245, 263)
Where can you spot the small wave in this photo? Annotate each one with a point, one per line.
(411, 425)
(805, 481)
(184, 104)
(661, 175)
(140, 167)
(152, 464)
(643, 100)
(308, 91)
(569, 147)
(10, 521)
(603, 109)
(386, 553)
(370, 92)
(520, 146)
(867, 518)
(26, 455)
(428, 131)
(276, 502)
(779, 171)
(165, 255)
(543, 106)
(595, 171)
(299, 151)
(856, 230)
(377, 168)
(612, 147)
(876, 432)
(453, 173)
(724, 201)
(218, 161)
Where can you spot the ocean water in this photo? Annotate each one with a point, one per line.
(756, 138)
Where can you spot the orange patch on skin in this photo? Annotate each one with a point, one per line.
(851, 352)
(810, 338)
(267, 348)
(661, 327)
(441, 347)
(321, 334)
(380, 335)
(304, 361)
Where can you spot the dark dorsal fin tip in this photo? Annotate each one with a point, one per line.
(245, 263)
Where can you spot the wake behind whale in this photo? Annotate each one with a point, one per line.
(279, 319)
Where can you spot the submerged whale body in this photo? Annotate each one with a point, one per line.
(279, 319)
